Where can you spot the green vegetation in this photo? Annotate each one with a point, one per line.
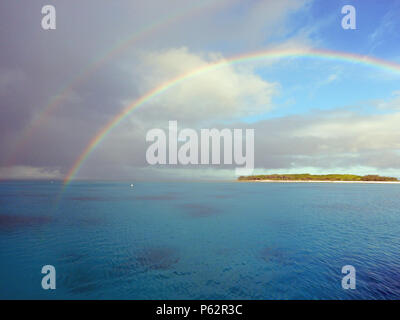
(312, 177)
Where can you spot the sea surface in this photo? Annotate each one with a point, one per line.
(207, 240)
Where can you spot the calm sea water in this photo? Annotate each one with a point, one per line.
(199, 240)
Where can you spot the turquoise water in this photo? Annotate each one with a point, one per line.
(199, 240)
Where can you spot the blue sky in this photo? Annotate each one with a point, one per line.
(310, 84)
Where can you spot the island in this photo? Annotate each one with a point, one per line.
(306, 177)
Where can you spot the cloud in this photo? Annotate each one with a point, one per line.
(393, 103)
(236, 24)
(36, 66)
(329, 140)
(335, 141)
(29, 172)
(387, 26)
(228, 92)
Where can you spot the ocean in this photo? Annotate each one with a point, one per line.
(203, 240)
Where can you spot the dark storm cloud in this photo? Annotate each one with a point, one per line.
(38, 65)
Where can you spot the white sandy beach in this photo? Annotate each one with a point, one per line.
(320, 181)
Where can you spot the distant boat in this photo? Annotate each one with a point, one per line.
(131, 185)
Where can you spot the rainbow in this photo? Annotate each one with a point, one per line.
(45, 114)
(268, 54)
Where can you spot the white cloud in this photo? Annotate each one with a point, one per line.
(227, 92)
(356, 132)
(28, 172)
(386, 26)
(393, 103)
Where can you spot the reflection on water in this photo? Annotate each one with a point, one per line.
(80, 279)
(269, 254)
(124, 268)
(157, 197)
(88, 198)
(71, 257)
(158, 258)
(17, 221)
(199, 210)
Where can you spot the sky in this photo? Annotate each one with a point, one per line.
(59, 88)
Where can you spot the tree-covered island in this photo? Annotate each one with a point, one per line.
(315, 177)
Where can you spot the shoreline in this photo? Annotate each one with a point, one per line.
(320, 181)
